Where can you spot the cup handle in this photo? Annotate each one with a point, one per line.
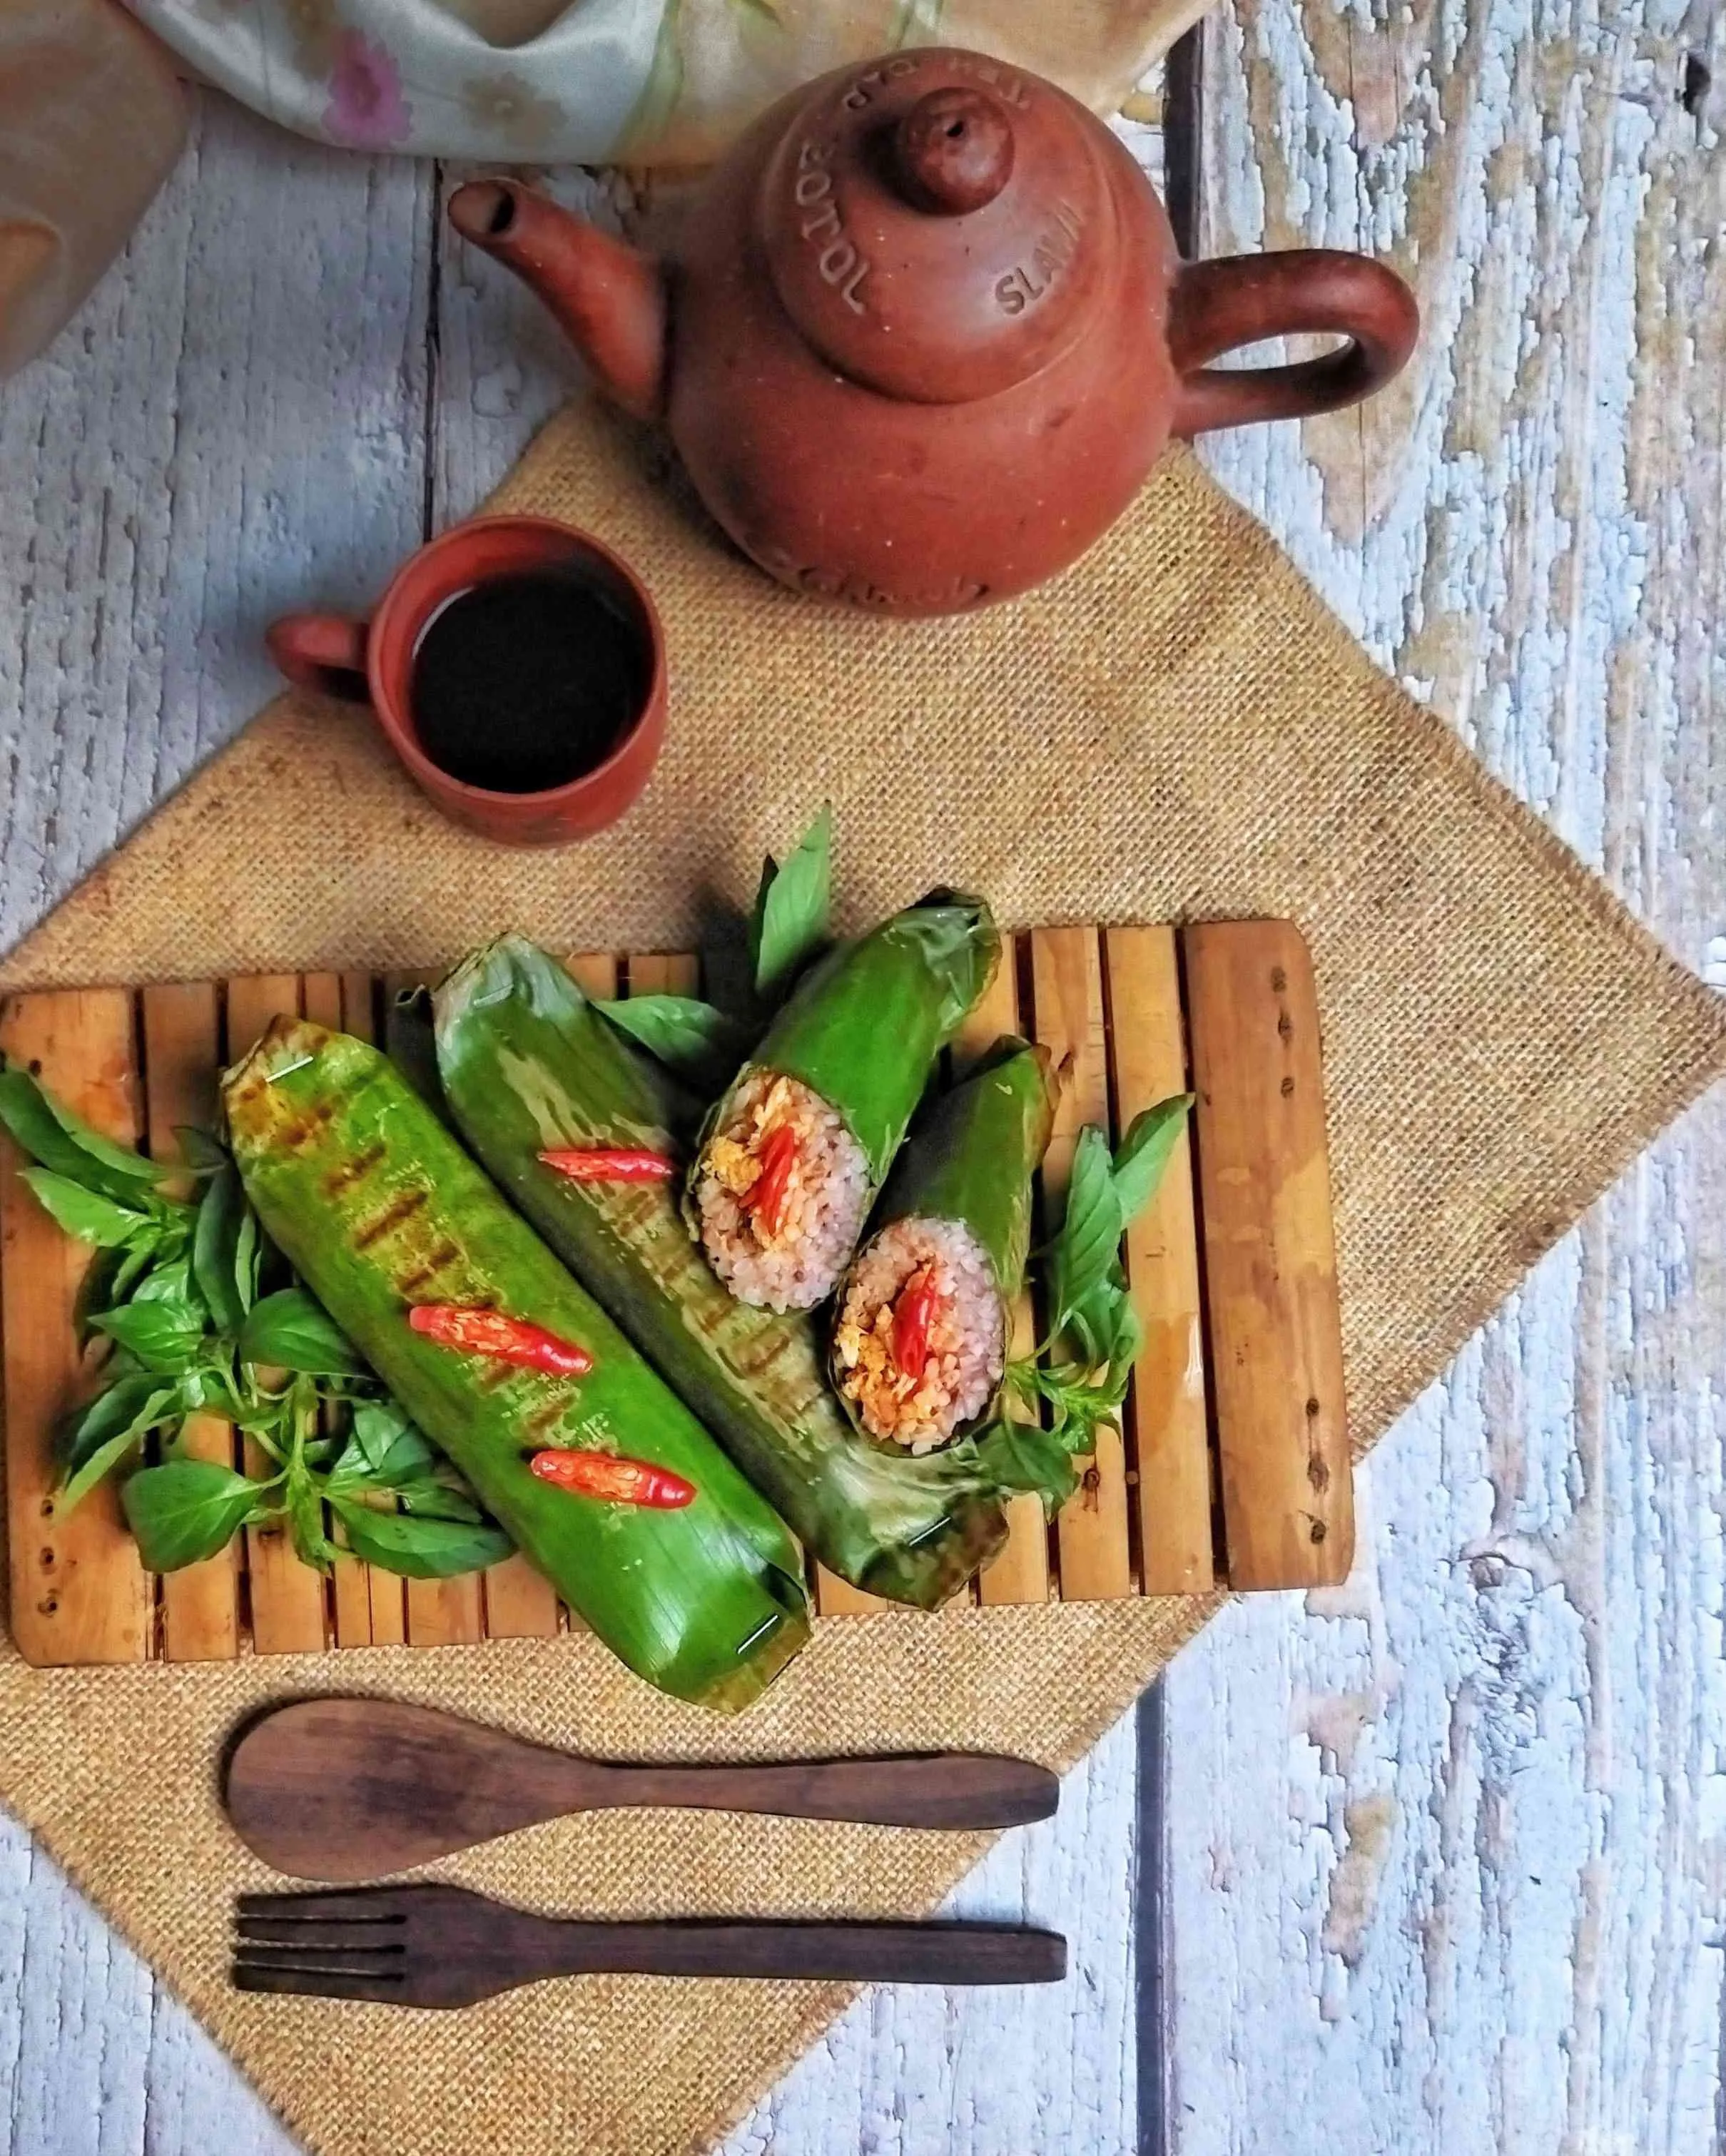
(1241, 298)
(323, 652)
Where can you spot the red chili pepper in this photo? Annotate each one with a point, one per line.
(610, 1164)
(615, 1481)
(768, 1192)
(503, 1339)
(919, 1302)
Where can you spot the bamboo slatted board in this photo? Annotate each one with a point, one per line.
(1231, 1466)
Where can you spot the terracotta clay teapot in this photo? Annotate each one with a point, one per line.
(925, 331)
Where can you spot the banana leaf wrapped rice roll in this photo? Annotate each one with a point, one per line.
(529, 1067)
(793, 1155)
(389, 1223)
(921, 1335)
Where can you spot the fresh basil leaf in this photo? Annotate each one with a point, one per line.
(170, 1280)
(215, 1249)
(1084, 1255)
(247, 1258)
(288, 1331)
(166, 1335)
(83, 1212)
(430, 1498)
(100, 1462)
(1123, 1340)
(66, 1145)
(203, 1387)
(1022, 1456)
(419, 1548)
(793, 908)
(392, 1449)
(136, 1259)
(97, 1290)
(199, 1152)
(187, 1510)
(696, 1039)
(130, 1405)
(1143, 1154)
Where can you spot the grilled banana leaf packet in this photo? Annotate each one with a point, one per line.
(529, 1067)
(382, 1214)
(924, 1317)
(793, 1155)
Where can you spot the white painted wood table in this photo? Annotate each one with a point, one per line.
(1438, 1860)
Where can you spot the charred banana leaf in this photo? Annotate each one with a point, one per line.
(380, 1209)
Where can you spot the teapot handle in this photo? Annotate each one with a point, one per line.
(1241, 298)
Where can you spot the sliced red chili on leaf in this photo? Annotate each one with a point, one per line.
(610, 1163)
(500, 1338)
(613, 1479)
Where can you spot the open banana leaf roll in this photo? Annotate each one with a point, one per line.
(924, 1319)
(530, 1066)
(793, 1155)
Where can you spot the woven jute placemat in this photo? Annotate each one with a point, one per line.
(1177, 727)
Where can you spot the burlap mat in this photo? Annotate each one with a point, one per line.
(1178, 727)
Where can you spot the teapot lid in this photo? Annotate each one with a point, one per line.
(937, 224)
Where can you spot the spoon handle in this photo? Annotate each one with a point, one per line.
(950, 1789)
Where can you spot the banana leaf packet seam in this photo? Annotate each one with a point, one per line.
(377, 1206)
(528, 1065)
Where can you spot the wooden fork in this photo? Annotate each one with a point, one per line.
(433, 1945)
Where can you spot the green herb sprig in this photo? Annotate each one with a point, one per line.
(791, 924)
(176, 1286)
(1076, 1382)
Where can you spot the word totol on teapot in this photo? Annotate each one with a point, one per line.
(926, 329)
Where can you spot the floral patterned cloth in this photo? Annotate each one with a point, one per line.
(646, 81)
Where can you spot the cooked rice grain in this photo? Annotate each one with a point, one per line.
(798, 1264)
(967, 1334)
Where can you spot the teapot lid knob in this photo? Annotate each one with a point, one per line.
(938, 225)
(953, 151)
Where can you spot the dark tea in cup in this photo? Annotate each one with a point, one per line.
(517, 669)
(525, 682)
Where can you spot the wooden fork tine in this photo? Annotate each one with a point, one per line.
(307, 1936)
(315, 1983)
(336, 1960)
(363, 1904)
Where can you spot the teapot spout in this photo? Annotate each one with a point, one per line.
(609, 298)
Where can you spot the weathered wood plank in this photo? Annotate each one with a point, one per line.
(1021, 1574)
(1091, 1532)
(1166, 1421)
(1270, 1255)
(217, 438)
(1443, 1846)
(1046, 2070)
(214, 439)
(80, 1044)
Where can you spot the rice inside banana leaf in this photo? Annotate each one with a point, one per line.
(923, 1322)
(529, 1066)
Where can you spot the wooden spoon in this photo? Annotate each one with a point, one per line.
(345, 1788)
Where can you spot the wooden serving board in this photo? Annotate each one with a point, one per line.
(1232, 1467)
